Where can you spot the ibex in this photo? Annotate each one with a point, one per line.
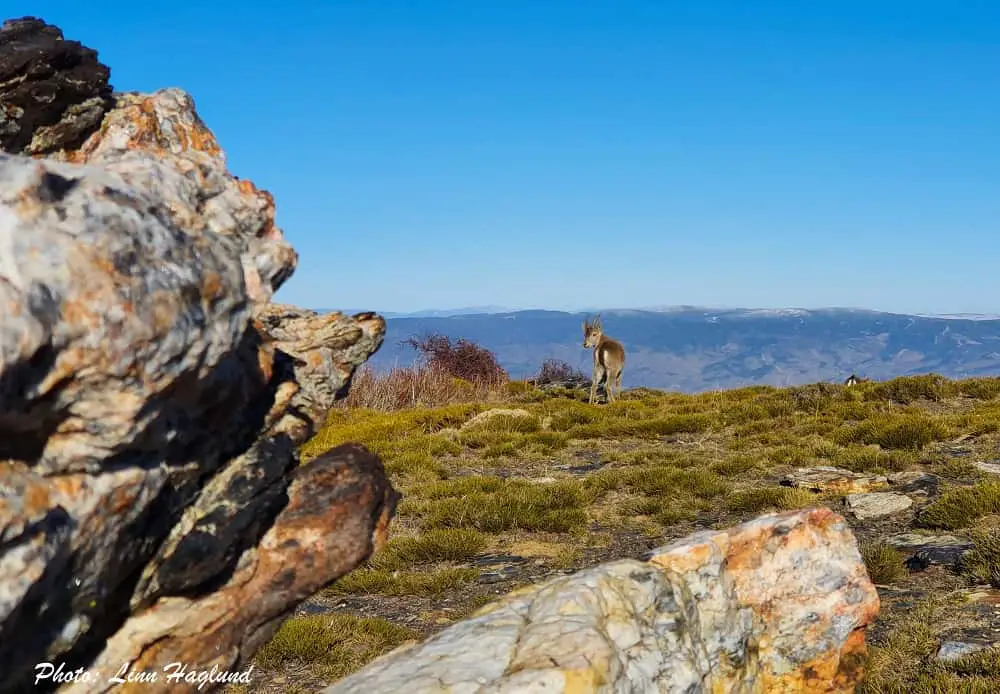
(609, 359)
(853, 380)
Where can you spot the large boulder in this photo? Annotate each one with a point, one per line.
(152, 399)
(779, 604)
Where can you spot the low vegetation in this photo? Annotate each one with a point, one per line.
(884, 562)
(505, 484)
(333, 645)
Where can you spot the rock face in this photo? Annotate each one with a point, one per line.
(152, 508)
(53, 92)
(779, 604)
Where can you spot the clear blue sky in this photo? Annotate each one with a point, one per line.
(580, 153)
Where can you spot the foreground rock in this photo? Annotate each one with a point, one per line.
(152, 509)
(53, 92)
(779, 604)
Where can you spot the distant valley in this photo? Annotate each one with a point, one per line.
(692, 349)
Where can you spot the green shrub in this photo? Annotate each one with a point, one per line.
(960, 508)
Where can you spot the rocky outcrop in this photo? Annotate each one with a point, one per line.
(152, 400)
(53, 92)
(779, 604)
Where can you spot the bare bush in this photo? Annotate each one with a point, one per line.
(462, 359)
(557, 371)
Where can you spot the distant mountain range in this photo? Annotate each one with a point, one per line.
(694, 349)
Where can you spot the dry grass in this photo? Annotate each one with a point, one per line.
(443, 544)
(762, 499)
(960, 508)
(418, 386)
(371, 581)
(494, 505)
(884, 562)
(334, 644)
(982, 562)
(905, 662)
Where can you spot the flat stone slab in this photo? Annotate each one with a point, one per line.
(877, 504)
(827, 478)
(992, 468)
(910, 481)
(953, 650)
(945, 550)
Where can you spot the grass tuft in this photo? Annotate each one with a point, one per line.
(905, 431)
(443, 544)
(762, 499)
(960, 508)
(494, 505)
(339, 644)
(372, 581)
(982, 562)
(884, 562)
(907, 389)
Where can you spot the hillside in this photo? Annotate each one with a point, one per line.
(525, 485)
(694, 350)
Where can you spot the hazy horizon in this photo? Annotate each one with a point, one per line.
(498, 308)
(575, 152)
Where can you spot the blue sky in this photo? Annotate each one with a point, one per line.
(586, 154)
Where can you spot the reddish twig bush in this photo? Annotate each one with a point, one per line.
(556, 370)
(462, 359)
(451, 372)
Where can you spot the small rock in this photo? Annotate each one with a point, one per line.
(827, 478)
(915, 481)
(955, 451)
(504, 573)
(992, 468)
(953, 650)
(945, 550)
(983, 596)
(877, 504)
(492, 559)
(581, 469)
(486, 416)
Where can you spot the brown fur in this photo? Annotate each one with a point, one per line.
(609, 359)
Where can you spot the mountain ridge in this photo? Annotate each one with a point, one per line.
(692, 349)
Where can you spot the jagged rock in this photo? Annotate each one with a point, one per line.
(196, 189)
(946, 550)
(877, 504)
(826, 478)
(152, 509)
(779, 604)
(53, 92)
